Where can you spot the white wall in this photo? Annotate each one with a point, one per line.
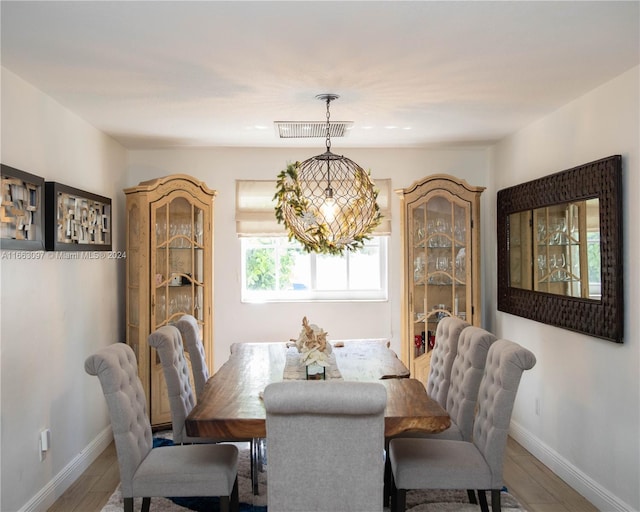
(219, 168)
(588, 430)
(55, 312)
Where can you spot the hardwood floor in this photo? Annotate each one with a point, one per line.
(535, 486)
(91, 491)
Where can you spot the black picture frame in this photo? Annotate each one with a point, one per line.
(76, 220)
(29, 200)
(602, 318)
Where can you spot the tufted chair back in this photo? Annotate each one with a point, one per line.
(188, 327)
(505, 363)
(167, 340)
(314, 428)
(442, 357)
(466, 374)
(117, 369)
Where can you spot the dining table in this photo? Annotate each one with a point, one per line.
(230, 406)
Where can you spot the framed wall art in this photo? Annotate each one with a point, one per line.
(21, 210)
(76, 220)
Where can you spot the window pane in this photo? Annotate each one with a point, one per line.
(301, 274)
(261, 269)
(364, 269)
(331, 272)
(287, 257)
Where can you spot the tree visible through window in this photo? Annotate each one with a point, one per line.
(268, 269)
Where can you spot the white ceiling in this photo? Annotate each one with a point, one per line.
(420, 73)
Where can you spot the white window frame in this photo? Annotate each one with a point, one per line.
(314, 295)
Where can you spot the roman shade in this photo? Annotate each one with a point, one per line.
(255, 208)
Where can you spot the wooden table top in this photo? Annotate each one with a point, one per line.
(231, 406)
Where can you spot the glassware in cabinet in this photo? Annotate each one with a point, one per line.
(559, 256)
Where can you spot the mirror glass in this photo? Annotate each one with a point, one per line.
(560, 249)
(556, 249)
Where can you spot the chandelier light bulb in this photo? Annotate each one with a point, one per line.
(329, 207)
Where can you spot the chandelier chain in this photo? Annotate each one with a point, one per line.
(328, 191)
(328, 140)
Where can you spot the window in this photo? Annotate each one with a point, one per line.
(277, 270)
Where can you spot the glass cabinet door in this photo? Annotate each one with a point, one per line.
(439, 256)
(177, 261)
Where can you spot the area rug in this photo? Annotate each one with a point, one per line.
(417, 501)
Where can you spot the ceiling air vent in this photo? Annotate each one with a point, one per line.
(307, 129)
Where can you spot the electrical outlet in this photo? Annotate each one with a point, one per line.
(44, 443)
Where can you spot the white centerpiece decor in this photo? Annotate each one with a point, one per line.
(314, 349)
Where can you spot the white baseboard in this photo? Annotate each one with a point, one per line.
(47, 496)
(600, 497)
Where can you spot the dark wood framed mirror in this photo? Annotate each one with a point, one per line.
(560, 249)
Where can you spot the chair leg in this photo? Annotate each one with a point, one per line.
(472, 496)
(251, 459)
(128, 504)
(482, 497)
(400, 500)
(255, 448)
(235, 499)
(231, 503)
(495, 500)
(146, 503)
(386, 495)
(398, 497)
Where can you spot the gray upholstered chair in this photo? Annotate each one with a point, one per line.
(442, 357)
(445, 464)
(188, 327)
(167, 340)
(146, 472)
(325, 443)
(466, 374)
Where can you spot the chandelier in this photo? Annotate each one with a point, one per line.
(328, 202)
